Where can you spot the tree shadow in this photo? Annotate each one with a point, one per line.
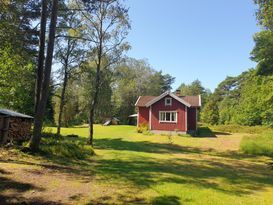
(166, 200)
(11, 191)
(146, 173)
(142, 146)
(207, 132)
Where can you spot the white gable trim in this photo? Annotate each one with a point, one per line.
(200, 100)
(137, 100)
(164, 95)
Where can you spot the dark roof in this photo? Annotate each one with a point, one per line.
(192, 100)
(11, 113)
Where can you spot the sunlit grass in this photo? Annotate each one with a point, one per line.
(133, 168)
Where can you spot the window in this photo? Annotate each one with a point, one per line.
(167, 116)
(168, 101)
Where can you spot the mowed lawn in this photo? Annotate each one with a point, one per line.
(132, 168)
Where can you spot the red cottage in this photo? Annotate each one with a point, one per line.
(169, 112)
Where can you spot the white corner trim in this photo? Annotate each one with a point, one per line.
(164, 95)
(186, 118)
(200, 100)
(137, 100)
(196, 115)
(137, 117)
(150, 118)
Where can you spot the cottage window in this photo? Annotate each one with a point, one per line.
(167, 116)
(168, 101)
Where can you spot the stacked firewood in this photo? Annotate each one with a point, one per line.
(19, 129)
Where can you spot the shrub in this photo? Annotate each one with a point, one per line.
(143, 127)
(67, 147)
(261, 144)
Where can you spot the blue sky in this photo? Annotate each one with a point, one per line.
(202, 39)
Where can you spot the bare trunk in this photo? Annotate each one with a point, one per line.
(94, 103)
(62, 103)
(91, 127)
(97, 85)
(41, 56)
(39, 115)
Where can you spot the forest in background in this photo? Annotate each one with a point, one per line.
(246, 99)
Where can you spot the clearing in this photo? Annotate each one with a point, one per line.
(132, 168)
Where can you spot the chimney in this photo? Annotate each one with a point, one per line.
(177, 92)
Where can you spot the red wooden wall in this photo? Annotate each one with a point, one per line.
(192, 118)
(143, 115)
(176, 106)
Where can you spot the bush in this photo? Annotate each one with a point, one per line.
(67, 147)
(261, 144)
(143, 127)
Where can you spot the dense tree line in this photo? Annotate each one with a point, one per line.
(247, 99)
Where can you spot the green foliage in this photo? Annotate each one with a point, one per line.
(16, 81)
(235, 128)
(244, 100)
(133, 79)
(261, 144)
(65, 147)
(255, 107)
(210, 112)
(142, 128)
(18, 41)
(265, 13)
(195, 88)
(262, 52)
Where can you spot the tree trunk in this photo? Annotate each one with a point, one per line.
(41, 55)
(97, 85)
(62, 103)
(39, 115)
(94, 103)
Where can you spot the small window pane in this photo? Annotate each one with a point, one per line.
(173, 116)
(162, 116)
(168, 116)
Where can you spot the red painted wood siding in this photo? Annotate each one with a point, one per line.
(143, 115)
(176, 106)
(192, 118)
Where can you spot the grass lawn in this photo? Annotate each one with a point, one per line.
(133, 168)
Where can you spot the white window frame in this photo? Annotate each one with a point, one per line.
(170, 121)
(166, 102)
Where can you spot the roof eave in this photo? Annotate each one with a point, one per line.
(164, 95)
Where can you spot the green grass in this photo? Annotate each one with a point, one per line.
(240, 129)
(261, 144)
(133, 168)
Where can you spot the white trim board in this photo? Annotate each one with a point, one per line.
(137, 100)
(164, 95)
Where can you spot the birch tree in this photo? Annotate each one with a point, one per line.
(107, 25)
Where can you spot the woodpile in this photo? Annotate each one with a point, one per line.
(19, 130)
(14, 127)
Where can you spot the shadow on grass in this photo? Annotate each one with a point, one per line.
(166, 200)
(144, 171)
(142, 146)
(9, 186)
(200, 173)
(207, 132)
